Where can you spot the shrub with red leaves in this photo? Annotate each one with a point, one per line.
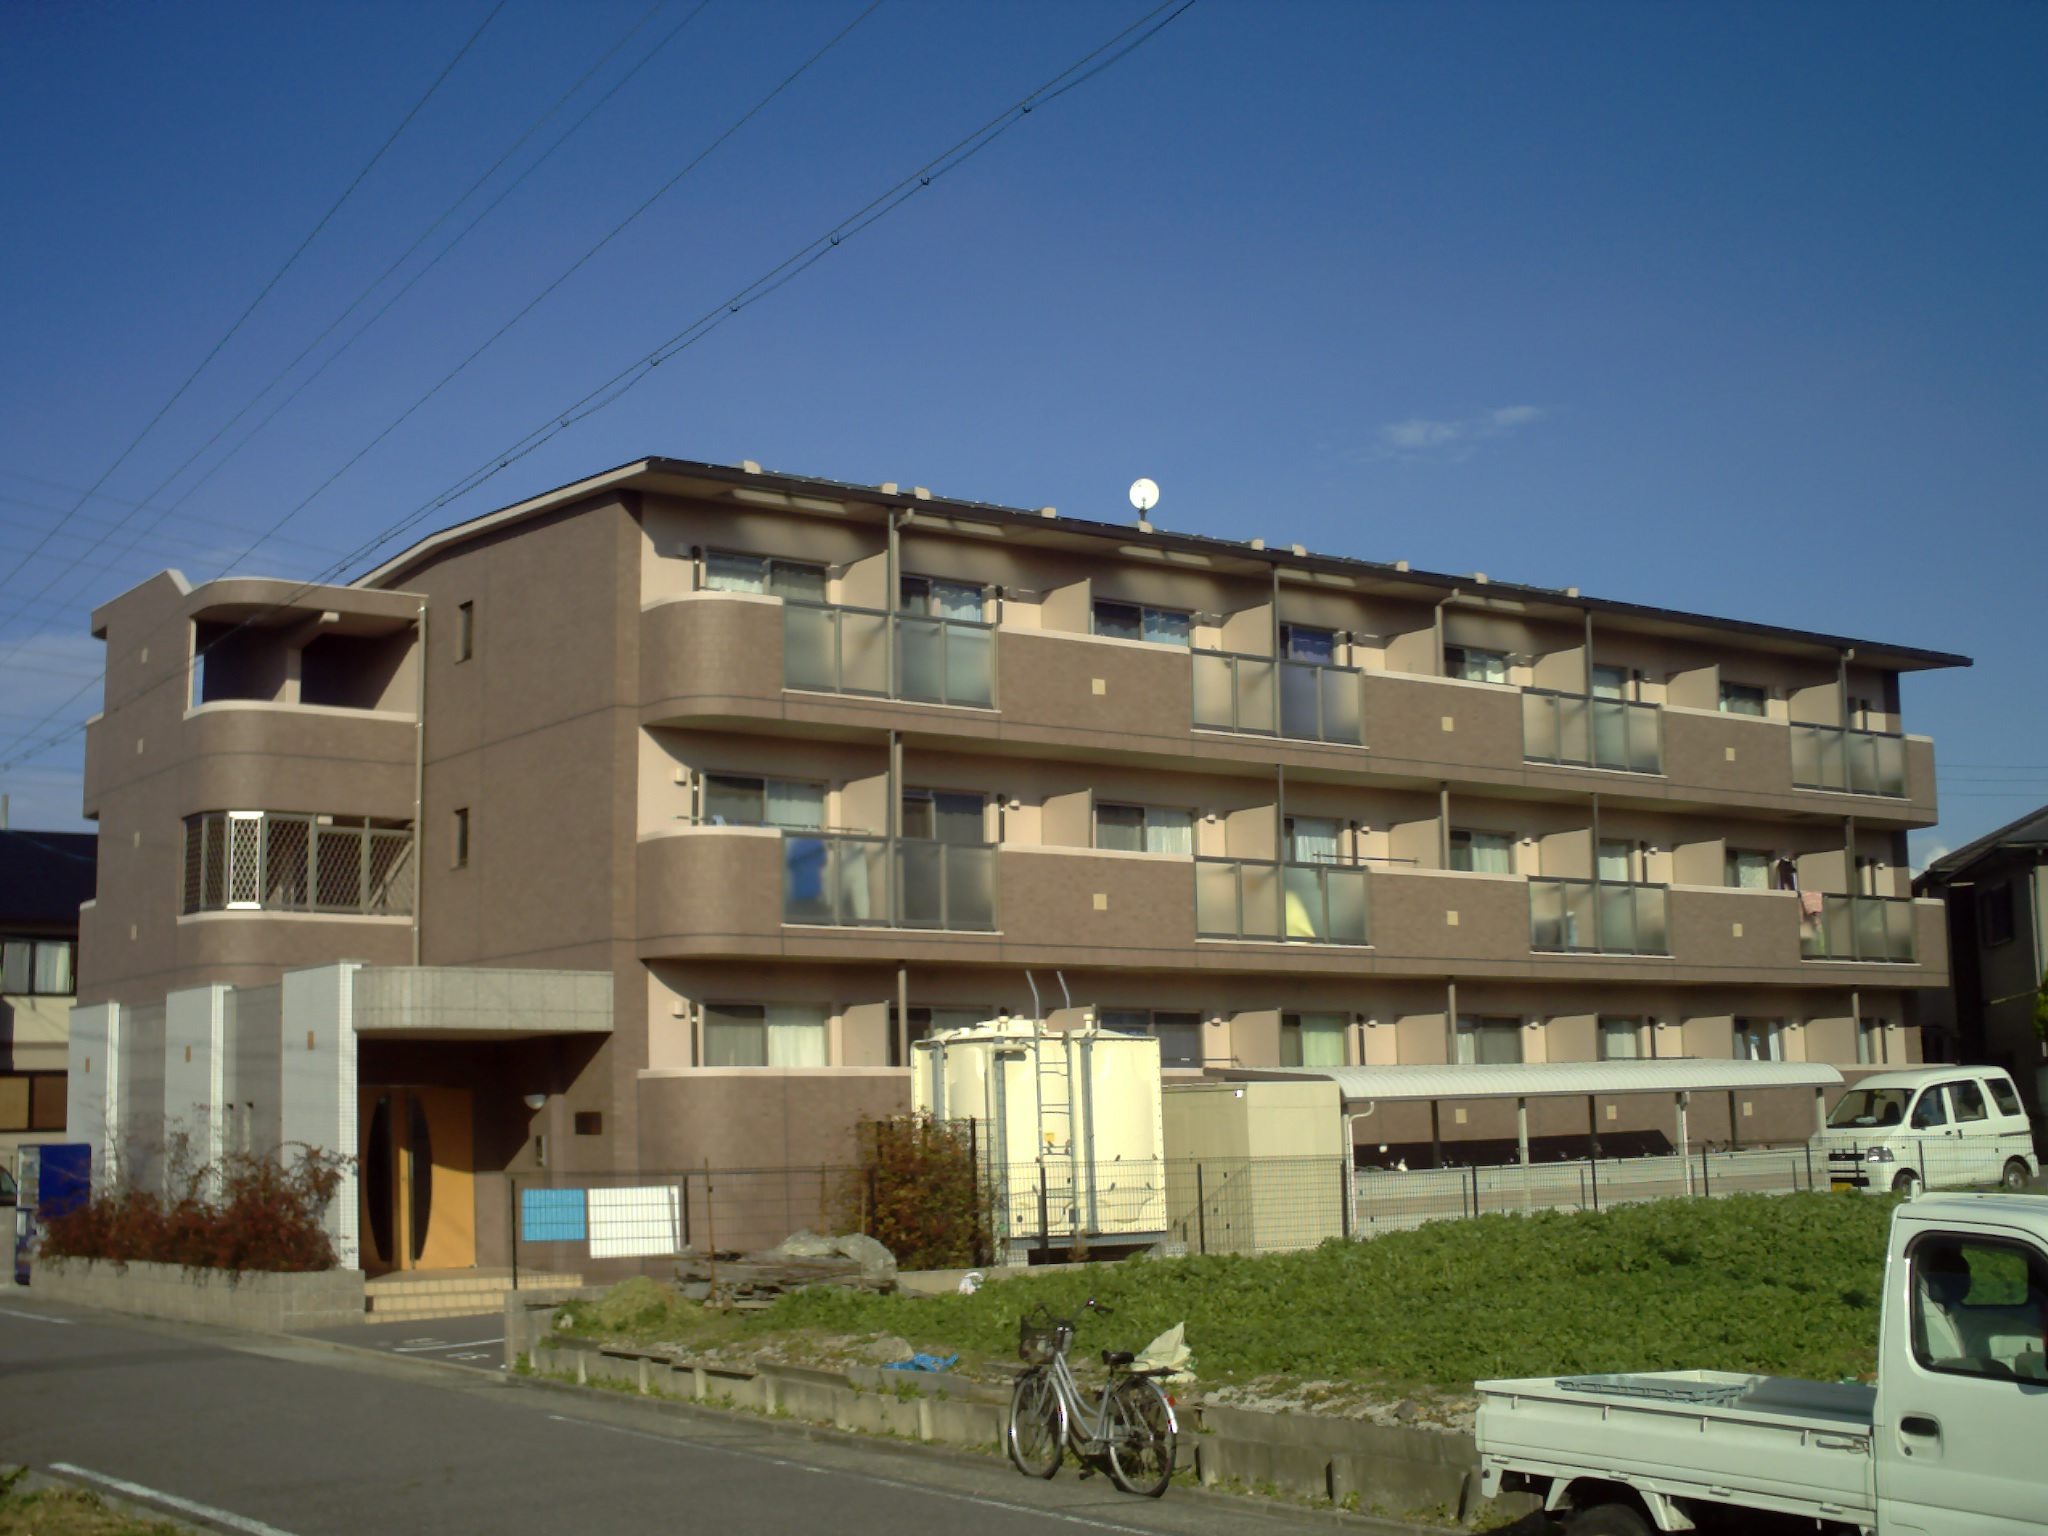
(249, 1213)
(918, 1193)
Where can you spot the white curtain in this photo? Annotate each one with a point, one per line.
(1169, 831)
(792, 804)
(733, 573)
(1322, 1039)
(956, 600)
(1314, 839)
(796, 1035)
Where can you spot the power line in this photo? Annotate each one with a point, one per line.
(278, 276)
(877, 208)
(333, 325)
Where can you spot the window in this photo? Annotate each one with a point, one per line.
(465, 631)
(937, 599)
(1870, 1043)
(1863, 1107)
(2003, 1096)
(1131, 621)
(1759, 1040)
(1179, 1034)
(1145, 829)
(1483, 853)
(1611, 682)
(1748, 870)
(757, 1035)
(37, 967)
(943, 817)
(1313, 840)
(1967, 1099)
(731, 800)
(31, 1101)
(1743, 699)
(1621, 1039)
(1488, 1041)
(589, 1122)
(1313, 1039)
(1978, 1308)
(1930, 1111)
(773, 578)
(1617, 861)
(1317, 647)
(461, 829)
(926, 1022)
(1475, 666)
(1995, 913)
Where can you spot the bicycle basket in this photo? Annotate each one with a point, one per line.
(1041, 1336)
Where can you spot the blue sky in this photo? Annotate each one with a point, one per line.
(1730, 308)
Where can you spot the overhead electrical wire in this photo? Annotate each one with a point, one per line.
(174, 508)
(611, 390)
(276, 277)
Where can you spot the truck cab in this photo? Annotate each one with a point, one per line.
(1931, 1128)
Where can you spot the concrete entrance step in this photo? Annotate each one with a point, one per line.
(423, 1293)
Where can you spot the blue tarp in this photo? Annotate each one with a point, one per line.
(922, 1363)
(553, 1216)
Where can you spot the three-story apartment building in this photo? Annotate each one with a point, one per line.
(803, 771)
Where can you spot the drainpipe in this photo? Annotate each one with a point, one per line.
(419, 778)
(893, 821)
(1280, 814)
(1589, 653)
(1275, 611)
(1437, 622)
(1443, 826)
(1842, 685)
(893, 566)
(902, 1031)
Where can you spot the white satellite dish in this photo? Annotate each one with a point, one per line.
(1144, 495)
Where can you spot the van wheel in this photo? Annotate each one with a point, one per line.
(1608, 1520)
(1907, 1184)
(2016, 1177)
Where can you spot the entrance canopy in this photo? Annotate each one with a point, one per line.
(1559, 1079)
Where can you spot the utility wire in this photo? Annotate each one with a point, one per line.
(277, 277)
(1087, 68)
(355, 304)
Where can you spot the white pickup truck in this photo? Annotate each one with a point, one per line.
(1951, 1441)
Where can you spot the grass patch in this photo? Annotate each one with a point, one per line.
(1783, 1284)
(72, 1512)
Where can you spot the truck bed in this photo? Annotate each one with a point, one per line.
(1762, 1442)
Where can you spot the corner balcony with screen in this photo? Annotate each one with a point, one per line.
(1598, 917)
(1262, 696)
(1848, 762)
(856, 880)
(1870, 929)
(827, 648)
(267, 861)
(1259, 900)
(1578, 731)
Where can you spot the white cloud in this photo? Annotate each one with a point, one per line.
(1420, 437)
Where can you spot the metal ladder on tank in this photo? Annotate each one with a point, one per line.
(1052, 1073)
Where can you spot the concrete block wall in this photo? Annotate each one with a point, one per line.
(268, 1303)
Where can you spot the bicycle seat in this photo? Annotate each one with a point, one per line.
(1117, 1357)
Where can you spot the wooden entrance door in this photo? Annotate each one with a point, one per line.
(418, 1179)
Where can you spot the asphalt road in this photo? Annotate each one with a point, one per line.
(276, 1436)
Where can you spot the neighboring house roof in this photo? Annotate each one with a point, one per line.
(2029, 831)
(1531, 1080)
(44, 876)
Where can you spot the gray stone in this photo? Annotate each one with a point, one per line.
(876, 1262)
(807, 1245)
(889, 1349)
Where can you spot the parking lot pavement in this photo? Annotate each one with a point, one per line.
(477, 1341)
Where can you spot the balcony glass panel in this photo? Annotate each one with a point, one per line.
(1297, 903)
(1261, 696)
(1570, 728)
(1849, 762)
(1600, 917)
(853, 880)
(1872, 929)
(832, 649)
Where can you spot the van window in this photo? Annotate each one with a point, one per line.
(1929, 1111)
(1968, 1100)
(2002, 1095)
(1978, 1307)
(1869, 1107)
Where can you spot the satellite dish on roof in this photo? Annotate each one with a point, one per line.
(1144, 495)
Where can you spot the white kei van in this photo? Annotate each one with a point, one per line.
(1931, 1128)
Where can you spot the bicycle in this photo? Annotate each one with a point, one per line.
(1134, 1428)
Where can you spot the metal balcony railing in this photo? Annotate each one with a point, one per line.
(1291, 903)
(1267, 697)
(1598, 917)
(1581, 731)
(267, 861)
(856, 880)
(1872, 929)
(830, 648)
(1848, 761)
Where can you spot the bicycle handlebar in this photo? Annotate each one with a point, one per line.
(1096, 1306)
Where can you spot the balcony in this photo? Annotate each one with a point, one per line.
(1280, 903)
(1262, 696)
(1598, 917)
(1870, 929)
(1581, 732)
(257, 861)
(833, 649)
(1847, 761)
(855, 880)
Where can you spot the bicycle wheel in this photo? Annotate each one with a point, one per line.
(1038, 1425)
(1142, 1435)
